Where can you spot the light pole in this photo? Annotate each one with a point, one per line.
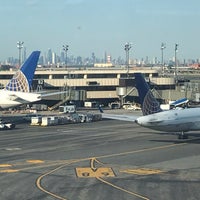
(163, 46)
(175, 55)
(20, 46)
(65, 49)
(127, 48)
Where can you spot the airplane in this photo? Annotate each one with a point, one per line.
(183, 102)
(17, 91)
(174, 120)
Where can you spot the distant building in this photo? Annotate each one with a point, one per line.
(103, 65)
(49, 57)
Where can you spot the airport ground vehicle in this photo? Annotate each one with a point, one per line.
(6, 125)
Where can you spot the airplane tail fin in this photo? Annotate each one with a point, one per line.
(148, 102)
(22, 80)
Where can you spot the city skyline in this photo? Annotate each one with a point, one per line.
(53, 58)
(101, 26)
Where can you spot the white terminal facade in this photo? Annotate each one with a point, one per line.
(100, 84)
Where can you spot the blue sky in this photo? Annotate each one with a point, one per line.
(101, 25)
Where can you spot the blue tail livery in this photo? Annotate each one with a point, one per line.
(148, 102)
(174, 120)
(22, 80)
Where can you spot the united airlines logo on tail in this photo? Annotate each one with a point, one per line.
(150, 104)
(22, 80)
(18, 83)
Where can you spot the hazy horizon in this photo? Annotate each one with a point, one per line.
(101, 26)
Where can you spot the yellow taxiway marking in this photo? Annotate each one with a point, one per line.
(35, 161)
(5, 165)
(87, 172)
(142, 171)
(141, 150)
(87, 158)
(9, 171)
(122, 189)
(92, 165)
(39, 179)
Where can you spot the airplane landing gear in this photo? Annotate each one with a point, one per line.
(182, 136)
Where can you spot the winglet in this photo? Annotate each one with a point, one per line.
(23, 78)
(148, 102)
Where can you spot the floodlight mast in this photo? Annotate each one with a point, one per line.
(175, 55)
(20, 46)
(65, 49)
(163, 46)
(127, 49)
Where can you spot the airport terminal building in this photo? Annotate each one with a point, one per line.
(104, 85)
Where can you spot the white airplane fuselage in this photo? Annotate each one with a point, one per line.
(173, 120)
(10, 99)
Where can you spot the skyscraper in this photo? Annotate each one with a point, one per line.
(49, 57)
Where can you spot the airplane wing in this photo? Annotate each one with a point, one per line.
(122, 117)
(18, 99)
(52, 93)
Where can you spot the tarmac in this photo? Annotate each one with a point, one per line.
(107, 159)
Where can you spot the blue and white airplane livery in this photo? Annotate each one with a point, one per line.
(23, 78)
(175, 120)
(17, 91)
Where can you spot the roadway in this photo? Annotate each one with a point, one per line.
(101, 160)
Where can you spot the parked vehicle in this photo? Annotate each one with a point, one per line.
(6, 125)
